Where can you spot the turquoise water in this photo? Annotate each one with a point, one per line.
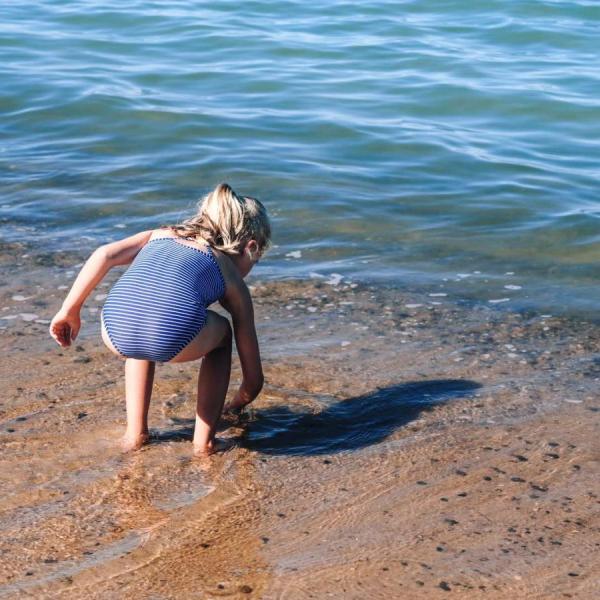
(448, 144)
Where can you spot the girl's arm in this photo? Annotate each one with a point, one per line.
(238, 302)
(66, 323)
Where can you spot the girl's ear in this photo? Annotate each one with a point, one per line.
(251, 247)
(252, 251)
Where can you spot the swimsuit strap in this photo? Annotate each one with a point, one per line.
(191, 239)
(209, 248)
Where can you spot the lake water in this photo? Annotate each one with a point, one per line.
(449, 145)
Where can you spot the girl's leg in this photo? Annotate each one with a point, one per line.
(213, 381)
(139, 377)
(213, 345)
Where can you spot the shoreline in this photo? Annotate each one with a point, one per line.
(472, 289)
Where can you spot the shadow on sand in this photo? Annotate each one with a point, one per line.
(344, 425)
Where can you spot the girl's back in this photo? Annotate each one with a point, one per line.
(159, 304)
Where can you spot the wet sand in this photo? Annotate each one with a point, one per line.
(405, 446)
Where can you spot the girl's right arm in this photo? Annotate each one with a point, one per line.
(238, 302)
(65, 325)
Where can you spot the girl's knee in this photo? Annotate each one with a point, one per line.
(216, 333)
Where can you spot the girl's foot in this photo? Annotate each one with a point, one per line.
(131, 443)
(234, 408)
(213, 446)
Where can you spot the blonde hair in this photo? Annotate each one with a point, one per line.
(226, 221)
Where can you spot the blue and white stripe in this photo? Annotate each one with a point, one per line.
(159, 304)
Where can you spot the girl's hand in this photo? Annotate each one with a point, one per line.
(65, 326)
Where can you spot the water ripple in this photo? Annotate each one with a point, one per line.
(434, 137)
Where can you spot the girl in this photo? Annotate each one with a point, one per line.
(157, 310)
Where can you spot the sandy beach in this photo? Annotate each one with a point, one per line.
(406, 445)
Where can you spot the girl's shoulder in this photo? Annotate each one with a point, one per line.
(227, 267)
(237, 299)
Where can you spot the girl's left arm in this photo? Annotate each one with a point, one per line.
(66, 323)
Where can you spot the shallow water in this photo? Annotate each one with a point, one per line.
(447, 143)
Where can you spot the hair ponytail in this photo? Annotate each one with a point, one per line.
(226, 221)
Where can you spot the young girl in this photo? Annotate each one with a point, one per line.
(157, 310)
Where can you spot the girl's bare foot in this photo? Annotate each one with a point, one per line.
(235, 406)
(131, 443)
(213, 446)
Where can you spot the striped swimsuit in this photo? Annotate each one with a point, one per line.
(158, 306)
